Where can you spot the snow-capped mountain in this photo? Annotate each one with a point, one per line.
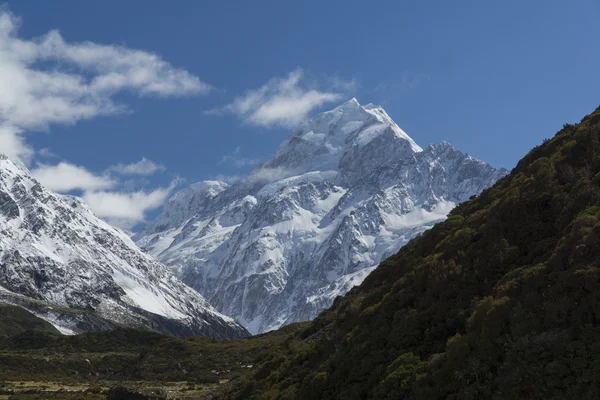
(67, 266)
(345, 190)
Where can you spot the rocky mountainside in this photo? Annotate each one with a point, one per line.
(70, 268)
(344, 191)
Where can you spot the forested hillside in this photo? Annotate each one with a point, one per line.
(500, 301)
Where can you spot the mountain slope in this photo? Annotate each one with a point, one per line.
(55, 252)
(500, 301)
(345, 190)
(14, 320)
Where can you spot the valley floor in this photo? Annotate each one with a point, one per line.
(46, 365)
(32, 390)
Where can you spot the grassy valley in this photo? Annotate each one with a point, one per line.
(43, 361)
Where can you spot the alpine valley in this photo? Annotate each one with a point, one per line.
(69, 268)
(347, 189)
(499, 301)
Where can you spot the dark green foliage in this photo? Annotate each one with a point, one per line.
(500, 301)
(15, 319)
(131, 355)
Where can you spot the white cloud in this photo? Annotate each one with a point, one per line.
(142, 167)
(46, 153)
(271, 174)
(47, 81)
(227, 178)
(109, 198)
(280, 102)
(13, 145)
(126, 209)
(338, 83)
(65, 177)
(235, 158)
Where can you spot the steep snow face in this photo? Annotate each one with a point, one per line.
(185, 204)
(54, 250)
(345, 190)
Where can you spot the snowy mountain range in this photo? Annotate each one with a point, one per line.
(70, 268)
(344, 191)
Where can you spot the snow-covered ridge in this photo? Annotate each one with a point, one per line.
(55, 251)
(345, 190)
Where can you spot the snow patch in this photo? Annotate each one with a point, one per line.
(145, 298)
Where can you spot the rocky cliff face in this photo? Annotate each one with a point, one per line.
(345, 190)
(62, 263)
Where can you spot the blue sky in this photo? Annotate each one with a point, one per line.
(492, 78)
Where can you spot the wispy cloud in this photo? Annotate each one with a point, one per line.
(46, 153)
(48, 80)
(279, 102)
(13, 144)
(236, 158)
(407, 80)
(270, 174)
(142, 167)
(414, 81)
(227, 178)
(346, 86)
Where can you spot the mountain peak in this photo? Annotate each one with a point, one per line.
(7, 163)
(345, 189)
(352, 103)
(208, 188)
(495, 300)
(324, 142)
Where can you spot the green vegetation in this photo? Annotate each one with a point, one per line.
(500, 301)
(15, 319)
(127, 354)
(34, 361)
